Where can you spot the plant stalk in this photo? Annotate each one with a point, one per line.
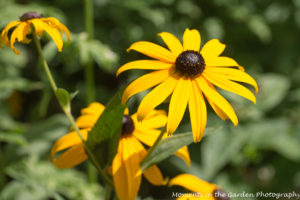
(68, 113)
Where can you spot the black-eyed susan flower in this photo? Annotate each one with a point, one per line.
(187, 72)
(126, 170)
(202, 190)
(33, 21)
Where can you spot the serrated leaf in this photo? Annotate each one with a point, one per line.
(103, 139)
(63, 97)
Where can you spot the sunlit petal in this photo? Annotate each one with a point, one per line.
(198, 113)
(220, 101)
(143, 83)
(191, 40)
(234, 75)
(144, 64)
(212, 49)
(230, 86)
(178, 104)
(172, 42)
(153, 50)
(156, 96)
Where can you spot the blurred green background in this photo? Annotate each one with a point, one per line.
(261, 154)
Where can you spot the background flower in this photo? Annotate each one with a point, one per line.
(33, 21)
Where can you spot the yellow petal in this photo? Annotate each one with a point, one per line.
(5, 31)
(234, 75)
(221, 62)
(218, 111)
(143, 83)
(198, 113)
(119, 174)
(155, 119)
(146, 136)
(154, 175)
(57, 24)
(17, 34)
(86, 121)
(193, 184)
(144, 64)
(178, 104)
(94, 108)
(72, 157)
(230, 86)
(156, 97)
(54, 34)
(172, 42)
(131, 159)
(216, 98)
(212, 49)
(153, 50)
(191, 40)
(184, 154)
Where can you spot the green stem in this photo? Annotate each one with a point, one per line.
(158, 139)
(89, 73)
(89, 67)
(69, 115)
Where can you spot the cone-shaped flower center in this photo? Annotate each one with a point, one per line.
(30, 15)
(190, 63)
(219, 194)
(127, 125)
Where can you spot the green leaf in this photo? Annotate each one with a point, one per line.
(166, 148)
(63, 97)
(103, 139)
(15, 138)
(169, 146)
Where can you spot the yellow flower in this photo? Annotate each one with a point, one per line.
(25, 26)
(126, 169)
(187, 71)
(202, 189)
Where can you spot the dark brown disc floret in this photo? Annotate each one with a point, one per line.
(127, 125)
(220, 194)
(30, 15)
(190, 63)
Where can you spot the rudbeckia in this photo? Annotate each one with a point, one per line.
(202, 189)
(126, 170)
(33, 21)
(187, 72)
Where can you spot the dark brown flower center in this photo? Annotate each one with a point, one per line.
(30, 15)
(190, 64)
(127, 125)
(220, 194)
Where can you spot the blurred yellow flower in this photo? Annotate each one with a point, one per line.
(202, 189)
(33, 21)
(126, 168)
(187, 72)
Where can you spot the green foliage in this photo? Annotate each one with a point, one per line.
(261, 154)
(103, 139)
